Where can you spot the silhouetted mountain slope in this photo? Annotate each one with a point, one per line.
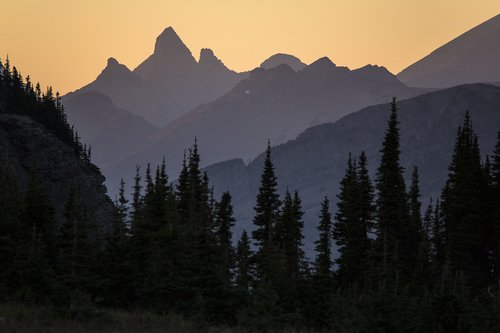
(315, 162)
(281, 58)
(111, 132)
(471, 57)
(168, 83)
(278, 104)
(26, 146)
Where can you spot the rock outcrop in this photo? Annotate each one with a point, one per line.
(27, 146)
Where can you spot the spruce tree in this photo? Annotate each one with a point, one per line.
(77, 252)
(414, 200)
(366, 193)
(224, 222)
(349, 232)
(321, 289)
(243, 263)
(135, 213)
(465, 214)
(116, 287)
(36, 252)
(266, 217)
(288, 235)
(268, 203)
(397, 238)
(323, 249)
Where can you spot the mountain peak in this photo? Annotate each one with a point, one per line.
(112, 62)
(115, 70)
(169, 45)
(376, 73)
(323, 64)
(282, 58)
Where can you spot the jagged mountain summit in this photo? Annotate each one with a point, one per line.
(469, 58)
(278, 104)
(169, 83)
(315, 161)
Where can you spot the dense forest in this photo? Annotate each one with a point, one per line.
(401, 265)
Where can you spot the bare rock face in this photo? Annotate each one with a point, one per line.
(26, 145)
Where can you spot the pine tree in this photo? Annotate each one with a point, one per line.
(120, 225)
(321, 290)
(367, 196)
(224, 222)
(268, 203)
(414, 200)
(116, 287)
(349, 232)
(243, 263)
(266, 216)
(323, 249)
(288, 235)
(397, 238)
(77, 252)
(36, 254)
(465, 214)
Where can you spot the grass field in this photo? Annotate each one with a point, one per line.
(33, 319)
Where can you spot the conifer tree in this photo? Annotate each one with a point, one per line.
(224, 222)
(77, 251)
(135, 212)
(36, 253)
(321, 293)
(323, 249)
(116, 287)
(397, 238)
(464, 209)
(243, 263)
(414, 200)
(266, 217)
(349, 232)
(288, 235)
(266, 209)
(366, 192)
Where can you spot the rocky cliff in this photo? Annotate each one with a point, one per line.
(28, 146)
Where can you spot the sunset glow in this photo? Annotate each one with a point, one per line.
(66, 43)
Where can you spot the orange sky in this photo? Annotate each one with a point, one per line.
(65, 43)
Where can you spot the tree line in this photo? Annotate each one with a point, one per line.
(397, 266)
(19, 96)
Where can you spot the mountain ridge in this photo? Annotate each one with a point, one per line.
(471, 57)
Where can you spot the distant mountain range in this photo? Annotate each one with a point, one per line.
(275, 104)
(167, 84)
(315, 162)
(472, 57)
(234, 114)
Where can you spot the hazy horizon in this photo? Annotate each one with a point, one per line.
(50, 40)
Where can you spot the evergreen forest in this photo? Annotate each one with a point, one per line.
(384, 260)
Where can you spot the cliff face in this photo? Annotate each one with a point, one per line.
(26, 145)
